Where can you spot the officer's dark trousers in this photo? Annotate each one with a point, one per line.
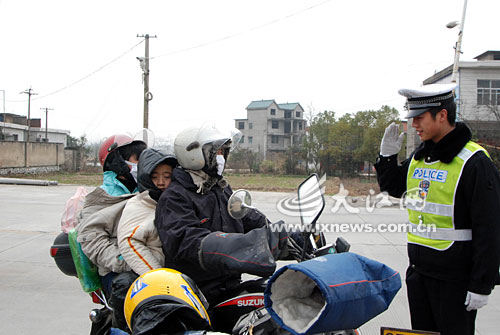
(437, 305)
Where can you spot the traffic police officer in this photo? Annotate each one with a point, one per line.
(452, 192)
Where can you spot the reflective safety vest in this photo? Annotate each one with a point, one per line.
(430, 200)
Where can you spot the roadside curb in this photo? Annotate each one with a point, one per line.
(19, 181)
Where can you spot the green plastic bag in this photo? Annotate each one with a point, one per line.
(85, 269)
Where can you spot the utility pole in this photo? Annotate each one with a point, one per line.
(458, 46)
(29, 92)
(46, 121)
(144, 63)
(4, 115)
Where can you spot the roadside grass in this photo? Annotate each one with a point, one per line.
(360, 186)
(275, 183)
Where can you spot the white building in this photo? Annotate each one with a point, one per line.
(15, 129)
(478, 86)
(478, 95)
(271, 127)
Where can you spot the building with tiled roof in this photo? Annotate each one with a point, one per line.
(271, 127)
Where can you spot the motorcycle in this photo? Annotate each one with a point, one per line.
(248, 310)
(245, 313)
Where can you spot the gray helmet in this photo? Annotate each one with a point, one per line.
(193, 146)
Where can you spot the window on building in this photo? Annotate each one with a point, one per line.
(15, 137)
(273, 111)
(241, 125)
(250, 139)
(297, 114)
(274, 139)
(288, 114)
(250, 125)
(242, 139)
(300, 125)
(488, 92)
(275, 124)
(288, 127)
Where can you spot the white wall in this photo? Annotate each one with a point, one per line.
(468, 93)
(54, 135)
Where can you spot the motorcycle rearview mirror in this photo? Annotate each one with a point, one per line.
(310, 199)
(311, 205)
(239, 204)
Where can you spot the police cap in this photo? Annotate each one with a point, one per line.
(424, 98)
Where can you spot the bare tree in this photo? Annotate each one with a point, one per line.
(485, 127)
(495, 111)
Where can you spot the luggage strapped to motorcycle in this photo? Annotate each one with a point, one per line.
(86, 270)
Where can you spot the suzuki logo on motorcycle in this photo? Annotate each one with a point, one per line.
(251, 302)
(254, 300)
(138, 286)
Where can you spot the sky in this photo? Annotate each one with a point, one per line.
(210, 59)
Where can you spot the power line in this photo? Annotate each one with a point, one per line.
(181, 50)
(241, 32)
(83, 78)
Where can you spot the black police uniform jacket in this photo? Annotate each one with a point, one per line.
(184, 217)
(477, 207)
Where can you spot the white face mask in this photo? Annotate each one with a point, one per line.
(221, 162)
(133, 169)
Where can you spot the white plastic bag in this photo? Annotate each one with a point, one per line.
(73, 206)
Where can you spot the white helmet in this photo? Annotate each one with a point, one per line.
(196, 147)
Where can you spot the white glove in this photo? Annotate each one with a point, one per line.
(392, 140)
(475, 301)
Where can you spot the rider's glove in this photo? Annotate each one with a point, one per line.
(289, 246)
(277, 238)
(230, 253)
(475, 301)
(392, 140)
(296, 243)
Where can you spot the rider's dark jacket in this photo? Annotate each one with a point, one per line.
(184, 217)
(477, 207)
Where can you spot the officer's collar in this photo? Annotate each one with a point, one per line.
(447, 148)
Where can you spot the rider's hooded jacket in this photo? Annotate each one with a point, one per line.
(114, 186)
(117, 178)
(97, 227)
(186, 214)
(138, 238)
(477, 204)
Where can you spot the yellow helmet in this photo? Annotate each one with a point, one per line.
(170, 288)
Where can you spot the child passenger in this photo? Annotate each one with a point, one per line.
(138, 240)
